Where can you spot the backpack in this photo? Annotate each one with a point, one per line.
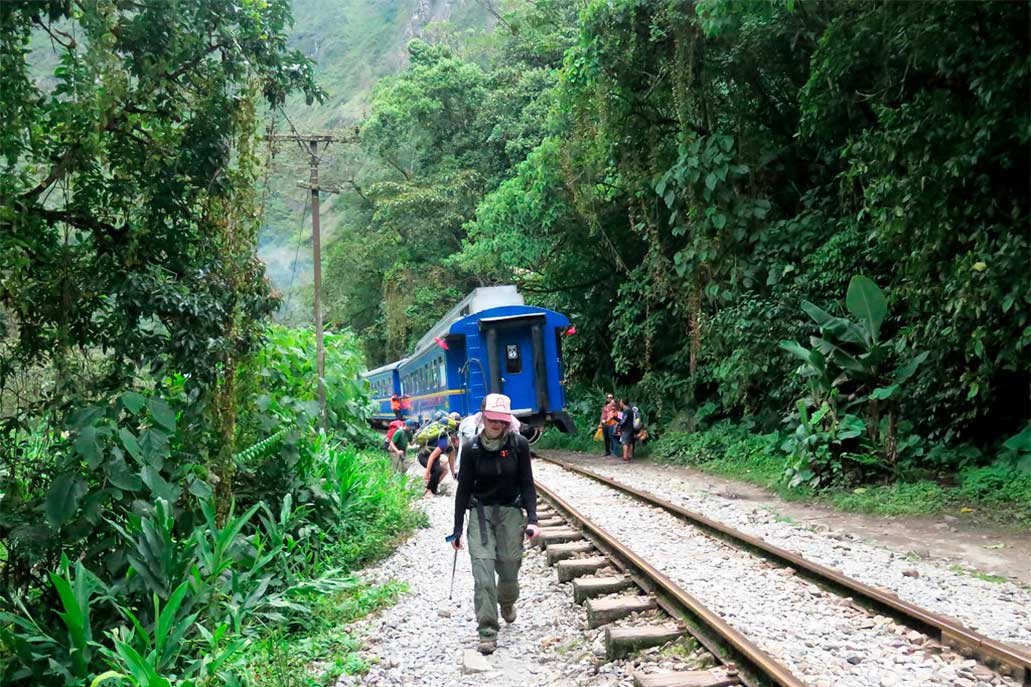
(638, 422)
(393, 427)
(433, 431)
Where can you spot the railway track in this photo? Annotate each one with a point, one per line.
(789, 659)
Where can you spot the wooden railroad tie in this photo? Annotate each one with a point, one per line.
(609, 609)
(690, 678)
(557, 535)
(588, 588)
(578, 567)
(560, 552)
(623, 641)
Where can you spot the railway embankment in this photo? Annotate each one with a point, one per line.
(956, 549)
(430, 641)
(820, 636)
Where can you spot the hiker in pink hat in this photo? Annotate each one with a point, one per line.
(496, 480)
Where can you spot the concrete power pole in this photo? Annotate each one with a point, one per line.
(313, 141)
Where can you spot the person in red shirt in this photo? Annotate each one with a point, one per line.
(607, 425)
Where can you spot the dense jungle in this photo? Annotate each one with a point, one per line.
(795, 233)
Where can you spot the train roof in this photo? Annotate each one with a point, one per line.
(483, 298)
(384, 368)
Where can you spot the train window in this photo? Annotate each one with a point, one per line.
(513, 361)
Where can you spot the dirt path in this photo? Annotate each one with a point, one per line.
(946, 539)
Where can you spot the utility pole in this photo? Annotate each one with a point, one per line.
(316, 249)
(313, 141)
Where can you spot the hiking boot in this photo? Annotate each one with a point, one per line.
(487, 646)
(508, 613)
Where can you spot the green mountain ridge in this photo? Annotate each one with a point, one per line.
(354, 44)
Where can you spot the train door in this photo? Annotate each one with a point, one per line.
(515, 361)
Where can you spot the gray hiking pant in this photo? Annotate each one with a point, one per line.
(495, 565)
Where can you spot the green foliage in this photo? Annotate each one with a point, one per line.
(132, 316)
(902, 498)
(725, 448)
(286, 659)
(702, 170)
(169, 589)
(126, 224)
(191, 600)
(852, 377)
(996, 484)
(284, 378)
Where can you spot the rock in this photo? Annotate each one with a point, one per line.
(475, 662)
(854, 659)
(444, 613)
(911, 572)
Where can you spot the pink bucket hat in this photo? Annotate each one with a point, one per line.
(497, 407)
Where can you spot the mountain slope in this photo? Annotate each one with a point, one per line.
(354, 44)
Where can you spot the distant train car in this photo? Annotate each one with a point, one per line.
(384, 382)
(491, 342)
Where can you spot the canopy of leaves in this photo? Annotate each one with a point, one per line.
(128, 214)
(700, 170)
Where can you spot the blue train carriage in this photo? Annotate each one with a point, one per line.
(492, 343)
(516, 350)
(384, 382)
(432, 375)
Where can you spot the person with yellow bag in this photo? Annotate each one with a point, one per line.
(607, 425)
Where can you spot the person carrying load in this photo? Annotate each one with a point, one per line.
(496, 483)
(607, 424)
(397, 443)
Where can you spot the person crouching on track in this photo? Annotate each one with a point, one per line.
(442, 449)
(496, 483)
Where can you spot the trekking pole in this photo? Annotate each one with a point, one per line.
(450, 538)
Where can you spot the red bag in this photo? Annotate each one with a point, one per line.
(393, 427)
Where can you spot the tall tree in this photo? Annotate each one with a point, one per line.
(128, 215)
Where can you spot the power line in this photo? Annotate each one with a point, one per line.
(297, 253)
(314, 159)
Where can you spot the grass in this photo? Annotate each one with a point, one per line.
(679, 650)
(376, 515)
(994, 579)
(901, 498)
(990, 494)
(316, 654)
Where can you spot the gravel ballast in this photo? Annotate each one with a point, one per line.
(1000, 610)
(820, 637)
(424, 640)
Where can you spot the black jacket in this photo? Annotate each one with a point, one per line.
(503, 477)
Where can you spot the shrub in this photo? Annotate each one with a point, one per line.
(901, 498)
(995, 484)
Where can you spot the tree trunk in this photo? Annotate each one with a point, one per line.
(891, 444)
(223, 467)
(694, 305)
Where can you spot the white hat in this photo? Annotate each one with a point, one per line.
(497, 407)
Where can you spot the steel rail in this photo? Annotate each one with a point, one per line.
(755, 665)
(946, 630)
